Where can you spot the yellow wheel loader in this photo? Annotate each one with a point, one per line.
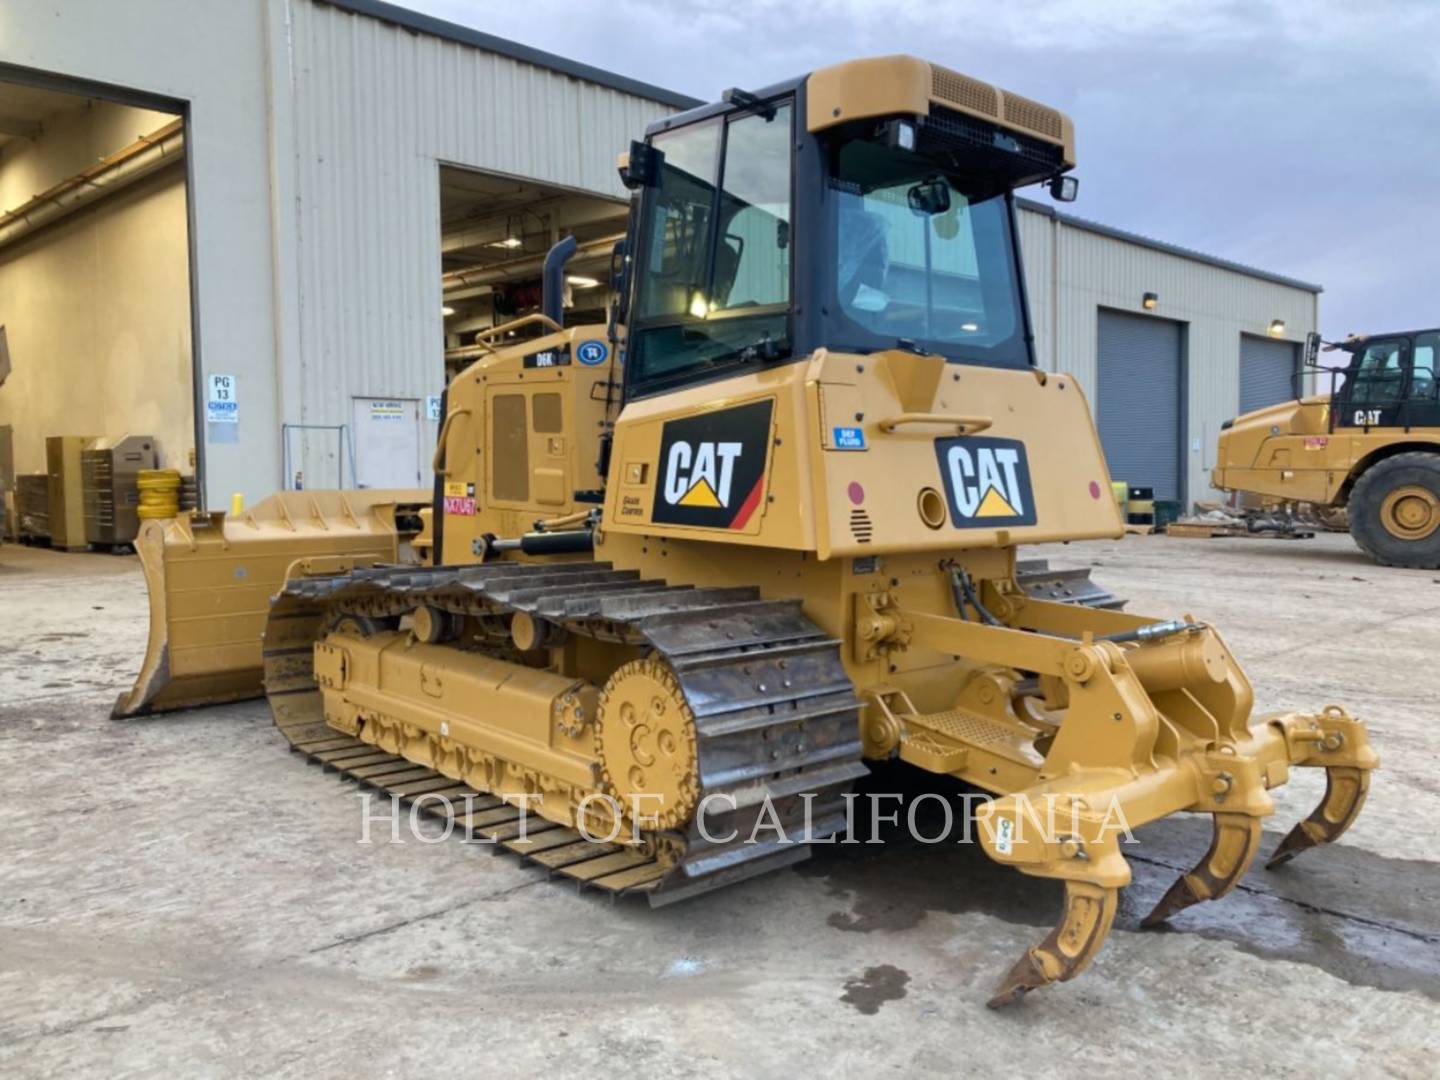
(1370, 447)
(688, 578)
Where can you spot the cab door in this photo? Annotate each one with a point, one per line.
(1422, 394)
(1373, 394)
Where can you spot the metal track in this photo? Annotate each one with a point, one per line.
(1067, 586)
(777, 719)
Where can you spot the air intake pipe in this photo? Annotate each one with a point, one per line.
(552, 300)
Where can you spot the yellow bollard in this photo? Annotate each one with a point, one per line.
(237, 504)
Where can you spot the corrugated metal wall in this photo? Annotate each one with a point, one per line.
(1071, 272)
(372, 111)
(364, 112)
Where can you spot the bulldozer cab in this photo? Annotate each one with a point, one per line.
(1390, 382)
(811, 266)
(818, 214)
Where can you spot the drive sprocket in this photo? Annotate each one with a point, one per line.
(645, 741)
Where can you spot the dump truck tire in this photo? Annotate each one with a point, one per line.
(1395, 511)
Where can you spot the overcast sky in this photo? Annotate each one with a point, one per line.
(1302, 136)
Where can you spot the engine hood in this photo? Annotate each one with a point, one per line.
(1243, 439)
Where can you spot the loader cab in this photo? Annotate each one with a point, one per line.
(1392, 380)
(858, 210)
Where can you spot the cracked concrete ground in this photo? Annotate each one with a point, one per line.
(180, 896)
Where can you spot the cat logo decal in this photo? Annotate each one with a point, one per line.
(712, 467)
(987, 482)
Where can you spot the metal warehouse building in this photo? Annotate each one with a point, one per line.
(1168, 343)
(254, 230)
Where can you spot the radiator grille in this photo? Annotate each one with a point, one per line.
(963, 91)
(860, 527)
(1031, 114)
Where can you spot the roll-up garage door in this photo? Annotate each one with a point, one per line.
(1139, 400)
(1266, 370)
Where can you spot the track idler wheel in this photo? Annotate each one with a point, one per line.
(1068, 950)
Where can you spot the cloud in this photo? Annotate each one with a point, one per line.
(1296, 136)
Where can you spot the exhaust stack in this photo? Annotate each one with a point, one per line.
(552, 301)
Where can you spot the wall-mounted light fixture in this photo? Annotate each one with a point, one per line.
(1277, 327)
(1150, 301)
(580, 281)
(447, 311)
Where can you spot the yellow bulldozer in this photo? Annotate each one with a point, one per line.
(1369, 447)
(679, 582)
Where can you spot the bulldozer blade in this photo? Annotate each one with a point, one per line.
(1345, 791)
(1232, 850)
(209, 578)
(1084, 924)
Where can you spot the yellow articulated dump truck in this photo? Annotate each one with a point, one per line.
(1369, 447)
(678, 597)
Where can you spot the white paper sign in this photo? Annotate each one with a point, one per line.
(432, 407)
(222, 405)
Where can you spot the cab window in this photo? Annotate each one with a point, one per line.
(923, 257)
(1380, 373)
(678, 245)
(1423, 382)
(714, 277)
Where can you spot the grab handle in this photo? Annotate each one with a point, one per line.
(440, 455)
(966, 425)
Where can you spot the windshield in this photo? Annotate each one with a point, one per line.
(920, 261)
(713, 280)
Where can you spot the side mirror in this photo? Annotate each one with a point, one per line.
(619, 287)
(929, 197)
(1312, 350)
(1064, 188)
(641, 166)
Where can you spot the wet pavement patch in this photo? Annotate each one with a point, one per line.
(1369, 920)
(876, 986)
